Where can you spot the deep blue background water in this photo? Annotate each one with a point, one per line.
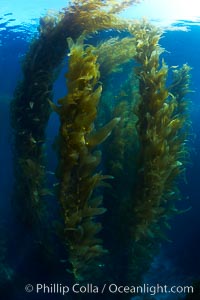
(182, 47)
(185, 233)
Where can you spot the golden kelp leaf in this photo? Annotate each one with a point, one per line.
(102, 134)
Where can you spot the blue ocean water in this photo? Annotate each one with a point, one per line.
(179, 259)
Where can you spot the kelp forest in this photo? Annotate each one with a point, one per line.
(121, 151)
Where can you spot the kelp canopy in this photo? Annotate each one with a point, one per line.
(121, 145)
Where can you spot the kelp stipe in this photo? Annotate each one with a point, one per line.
(120, 156)
(30, 112)
(78, 161)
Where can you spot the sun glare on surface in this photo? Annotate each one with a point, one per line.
(166, 11)
(163, 12)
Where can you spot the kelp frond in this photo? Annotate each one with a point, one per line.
(162, 130)
(115, 52)
(159, 128)
(77, 162)
(94, 15)
(118, 6)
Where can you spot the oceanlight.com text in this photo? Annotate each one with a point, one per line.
(111, 288)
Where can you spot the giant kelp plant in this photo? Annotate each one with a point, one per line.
(162, 128)
(144, 129)
(78, 161)
(30, 108)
